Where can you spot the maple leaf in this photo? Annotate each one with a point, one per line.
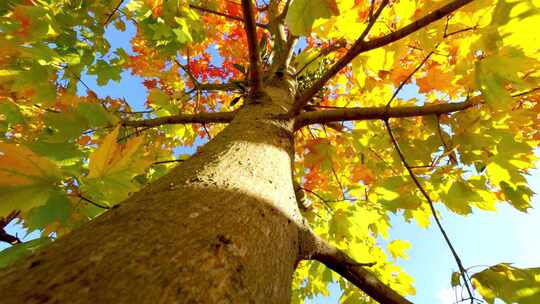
(112, 166)
(26, 179)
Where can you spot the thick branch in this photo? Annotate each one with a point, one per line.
(255, 74)
(220, 117)
(371, 113)
(209, 11)
(354, 272)
(361, 46)
(344, 114)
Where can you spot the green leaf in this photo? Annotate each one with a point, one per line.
(95, 114)
(105, 72)
(302, 14)
(64, 153)
(459, 197)
(64, 126)
(57, 209)
(455, 279)
(182, 32)
(508, 283)
(14, 253)
(519, 197)
(495, 72)
(9, 115)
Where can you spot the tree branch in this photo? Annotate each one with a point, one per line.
(370, 113)
(255, 73)
(283, 43)
(4, 236)
(361, 46)
(219, 117)
(109, 17)
(354, 272)
(210, 11)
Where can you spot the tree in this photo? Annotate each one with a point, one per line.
(311, 144)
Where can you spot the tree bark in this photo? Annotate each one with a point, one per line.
(222, 227)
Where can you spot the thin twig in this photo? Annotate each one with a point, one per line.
(383, 160)
(76, 77)
(448, 151)
(188, 72)
(206, 131)
(135, 112)
(113, 12)
(402, 84)
(472, 28)
(92, 202)
(462, 269)
(167, 161)
(207, 10)
(322, 199)
(372, 19)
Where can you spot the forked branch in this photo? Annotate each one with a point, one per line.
(352, 271)
(361, 46)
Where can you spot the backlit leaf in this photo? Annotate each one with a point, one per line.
(26, 180)
(508, 283)
(302, 14)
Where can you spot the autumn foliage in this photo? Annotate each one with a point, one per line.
(67, 153)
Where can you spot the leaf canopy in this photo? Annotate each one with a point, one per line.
(65, 148)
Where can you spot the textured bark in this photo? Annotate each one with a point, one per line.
(222, 227)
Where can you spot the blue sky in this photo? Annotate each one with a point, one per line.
(483, 238)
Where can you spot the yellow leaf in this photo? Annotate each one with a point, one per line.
(25, 178)
(397, 249)
(111, 157)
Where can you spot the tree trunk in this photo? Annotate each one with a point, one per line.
(222, 227)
